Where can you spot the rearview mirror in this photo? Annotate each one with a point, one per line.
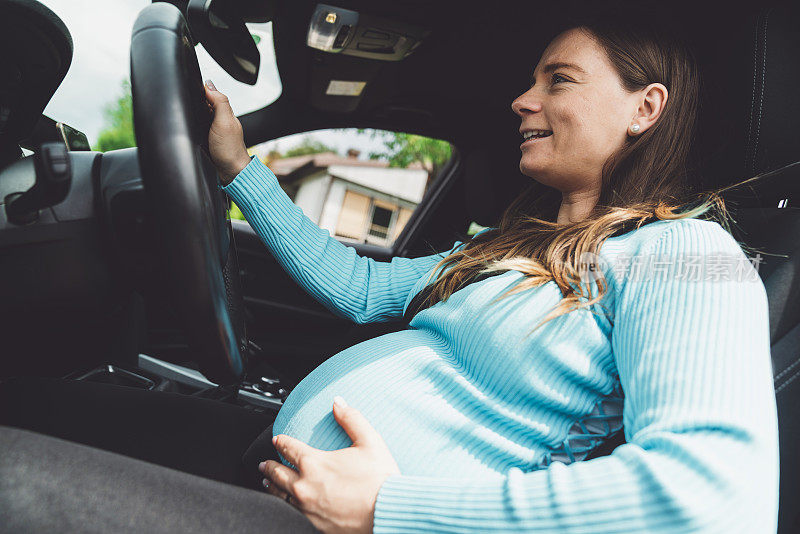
(219, 26)
(48, 131)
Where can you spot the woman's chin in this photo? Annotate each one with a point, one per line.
(533, 169)
(544, 176)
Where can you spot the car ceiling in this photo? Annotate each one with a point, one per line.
(461, 80)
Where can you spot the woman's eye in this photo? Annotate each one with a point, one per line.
(557, 78)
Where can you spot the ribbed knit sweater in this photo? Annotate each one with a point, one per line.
(488, 423)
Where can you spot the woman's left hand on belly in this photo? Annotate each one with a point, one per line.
(336, 490)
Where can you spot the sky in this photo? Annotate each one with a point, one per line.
(101, 35)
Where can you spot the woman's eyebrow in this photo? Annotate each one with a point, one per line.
(551, 67)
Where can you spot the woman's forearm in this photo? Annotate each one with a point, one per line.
(352, 286)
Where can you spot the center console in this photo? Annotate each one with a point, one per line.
(264, 392)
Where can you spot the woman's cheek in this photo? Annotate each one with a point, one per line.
(572, 138)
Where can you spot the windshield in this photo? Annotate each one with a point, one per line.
(97, 78)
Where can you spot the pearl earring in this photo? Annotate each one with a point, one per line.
(635, 128)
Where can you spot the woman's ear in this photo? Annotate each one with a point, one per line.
(651, 105)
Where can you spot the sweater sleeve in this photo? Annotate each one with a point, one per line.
(700, 419)
(351, 286)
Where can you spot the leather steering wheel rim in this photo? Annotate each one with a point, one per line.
(196, 246)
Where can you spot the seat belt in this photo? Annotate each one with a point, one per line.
(414, 306)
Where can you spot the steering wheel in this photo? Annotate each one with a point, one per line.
(195, 238)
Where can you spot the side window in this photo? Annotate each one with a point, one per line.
(360, 185)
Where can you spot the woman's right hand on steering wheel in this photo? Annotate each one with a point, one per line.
(225, 138)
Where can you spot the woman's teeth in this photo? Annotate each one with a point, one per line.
(536, 134)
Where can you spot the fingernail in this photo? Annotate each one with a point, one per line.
(262, 465)
(210, 85)
(274, 440)
(339, 402)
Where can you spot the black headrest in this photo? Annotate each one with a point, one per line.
(750, 69)
(751, 109)
(35, 54)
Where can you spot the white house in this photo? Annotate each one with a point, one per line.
(364, 201)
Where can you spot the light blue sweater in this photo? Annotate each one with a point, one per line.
(487, 425)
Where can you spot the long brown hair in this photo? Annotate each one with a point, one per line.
(650, 178)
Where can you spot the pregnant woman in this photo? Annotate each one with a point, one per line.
(606, 295)
(476, 416)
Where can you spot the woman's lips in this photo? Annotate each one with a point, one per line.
(532, 140)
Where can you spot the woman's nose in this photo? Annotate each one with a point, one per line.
(526, 103)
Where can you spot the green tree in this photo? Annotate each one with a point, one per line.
(308, 146)
(118, 131)
(404, 149)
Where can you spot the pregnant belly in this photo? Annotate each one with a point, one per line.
(432, 419)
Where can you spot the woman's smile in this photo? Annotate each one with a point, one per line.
(531, 136)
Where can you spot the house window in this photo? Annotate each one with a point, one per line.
(381, 221)
(368, 219)
(383, 216)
